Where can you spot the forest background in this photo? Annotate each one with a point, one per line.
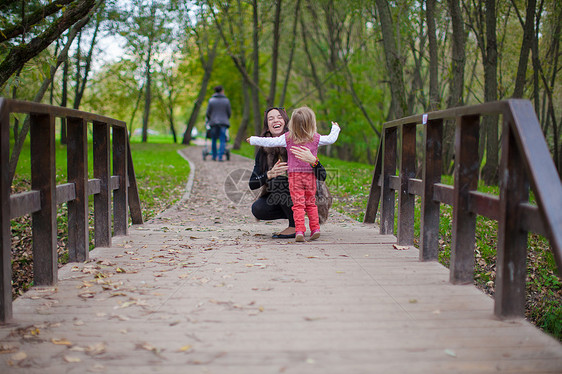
(153, 63)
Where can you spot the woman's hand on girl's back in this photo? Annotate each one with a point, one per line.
(303, 154)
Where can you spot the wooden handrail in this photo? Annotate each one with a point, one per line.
(525, 162)
(45, 195)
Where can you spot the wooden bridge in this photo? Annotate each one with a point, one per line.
(203, 288)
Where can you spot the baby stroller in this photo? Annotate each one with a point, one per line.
(207, 147)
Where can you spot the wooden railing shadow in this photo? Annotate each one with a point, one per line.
(525, 162)
(110, 143)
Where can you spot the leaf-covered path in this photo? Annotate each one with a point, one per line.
(204, 289)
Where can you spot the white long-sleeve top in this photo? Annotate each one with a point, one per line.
(280, 141)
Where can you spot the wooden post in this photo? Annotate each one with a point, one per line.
(375, 192)
(406, 201)
(5, 240)
(77, 170)
(102, 200)
(133, 191)
(42, 133)
(429, 228)
(466, 180)
(120, 208)
(511, 269)
(388, 169)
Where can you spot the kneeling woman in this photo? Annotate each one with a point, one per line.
(270, 174)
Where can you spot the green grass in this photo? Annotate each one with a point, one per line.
(350, 183)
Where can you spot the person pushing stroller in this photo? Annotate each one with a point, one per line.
(218, 118)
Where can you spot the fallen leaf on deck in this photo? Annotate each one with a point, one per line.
(95, 349)
(185, 348)
(148, 347)
(60, 341)
(401, 247)
(310, 319)
(450, 352)
(8, 348)
(72, 359)
(21, 355)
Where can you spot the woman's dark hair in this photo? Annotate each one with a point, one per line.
(269, 156)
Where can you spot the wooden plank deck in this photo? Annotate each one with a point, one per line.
(203, 290)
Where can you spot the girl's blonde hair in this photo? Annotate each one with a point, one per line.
(302, 125)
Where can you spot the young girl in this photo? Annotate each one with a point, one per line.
(302, 182)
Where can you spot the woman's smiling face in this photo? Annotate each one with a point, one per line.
(275, 122)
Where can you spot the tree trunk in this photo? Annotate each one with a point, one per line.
(171, 115)
(64, 100)
(256, 73)
(456, 86)
(528, 34)
(147, 95)
(31, 20)
(78, 67)
(490, 123)
(274, 54)
(434, 95)
(393, 59)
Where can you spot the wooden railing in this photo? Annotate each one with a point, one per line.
(525, 161)
(42, 200)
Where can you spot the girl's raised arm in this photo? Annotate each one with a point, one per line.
(330, 139)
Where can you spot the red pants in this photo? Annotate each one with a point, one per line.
(303, 193)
